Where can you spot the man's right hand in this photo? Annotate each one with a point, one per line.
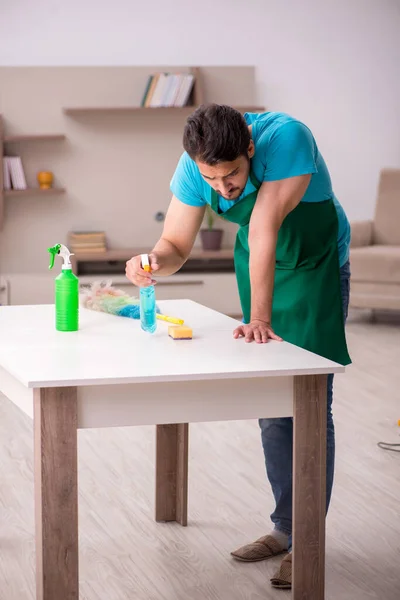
(137, 275)
(182, 224)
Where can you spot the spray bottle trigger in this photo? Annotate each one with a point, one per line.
(53, 251)
(145, 263)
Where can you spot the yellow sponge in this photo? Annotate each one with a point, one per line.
(180, 332)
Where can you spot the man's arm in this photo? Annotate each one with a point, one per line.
(181, 226)
(275, 200)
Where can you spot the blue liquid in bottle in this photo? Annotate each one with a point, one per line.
(148, 319)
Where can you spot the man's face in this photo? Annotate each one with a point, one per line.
(227, 178)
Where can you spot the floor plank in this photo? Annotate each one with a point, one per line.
(124, 553)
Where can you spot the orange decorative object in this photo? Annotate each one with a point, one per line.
(45, 179)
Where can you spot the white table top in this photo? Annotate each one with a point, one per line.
(111, 350)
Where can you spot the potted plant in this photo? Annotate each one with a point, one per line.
(211, 238)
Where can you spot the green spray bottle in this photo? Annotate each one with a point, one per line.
(66, 291)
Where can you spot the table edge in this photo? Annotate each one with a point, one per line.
(335, 369)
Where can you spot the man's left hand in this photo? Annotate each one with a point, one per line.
(258, 331)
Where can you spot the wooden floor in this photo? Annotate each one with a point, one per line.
(125, 555)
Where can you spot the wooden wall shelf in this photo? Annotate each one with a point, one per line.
(34, 192)
(87, 110)
(47, 137)
(127, 253)
(113, 261)
(93, 110)
(18, 139)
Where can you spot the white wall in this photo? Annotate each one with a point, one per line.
(335, 64)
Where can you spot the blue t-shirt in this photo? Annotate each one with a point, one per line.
(284, 147)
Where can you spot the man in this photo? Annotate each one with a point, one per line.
(265, 173)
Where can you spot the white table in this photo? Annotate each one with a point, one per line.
(111, 374)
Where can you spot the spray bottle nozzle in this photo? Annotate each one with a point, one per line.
(63, 251)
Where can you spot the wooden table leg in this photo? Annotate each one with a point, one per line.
(56, 493)
(172, 444)
(309, 487)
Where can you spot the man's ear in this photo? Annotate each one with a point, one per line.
(251, 149)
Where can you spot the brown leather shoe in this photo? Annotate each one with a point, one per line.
(262, 549)
(282, 579)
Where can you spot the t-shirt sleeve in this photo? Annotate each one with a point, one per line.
(290, 152)
(185, 182)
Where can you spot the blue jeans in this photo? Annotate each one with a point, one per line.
(277, 441)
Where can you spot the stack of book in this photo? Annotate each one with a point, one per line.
(13, 173)
(87, 241)
(168, 89)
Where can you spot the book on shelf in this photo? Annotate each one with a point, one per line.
(87, 249)
(13, 173)
(87, 241)
(88, 235)
(167, 90)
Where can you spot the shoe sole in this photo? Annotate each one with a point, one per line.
(288, 586)
(253, 560)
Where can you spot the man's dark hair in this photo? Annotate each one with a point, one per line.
(216, 133)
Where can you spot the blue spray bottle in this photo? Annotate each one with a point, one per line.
(148, 318)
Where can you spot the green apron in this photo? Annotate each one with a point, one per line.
(307, 307)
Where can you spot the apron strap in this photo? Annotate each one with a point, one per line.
(254, 180)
